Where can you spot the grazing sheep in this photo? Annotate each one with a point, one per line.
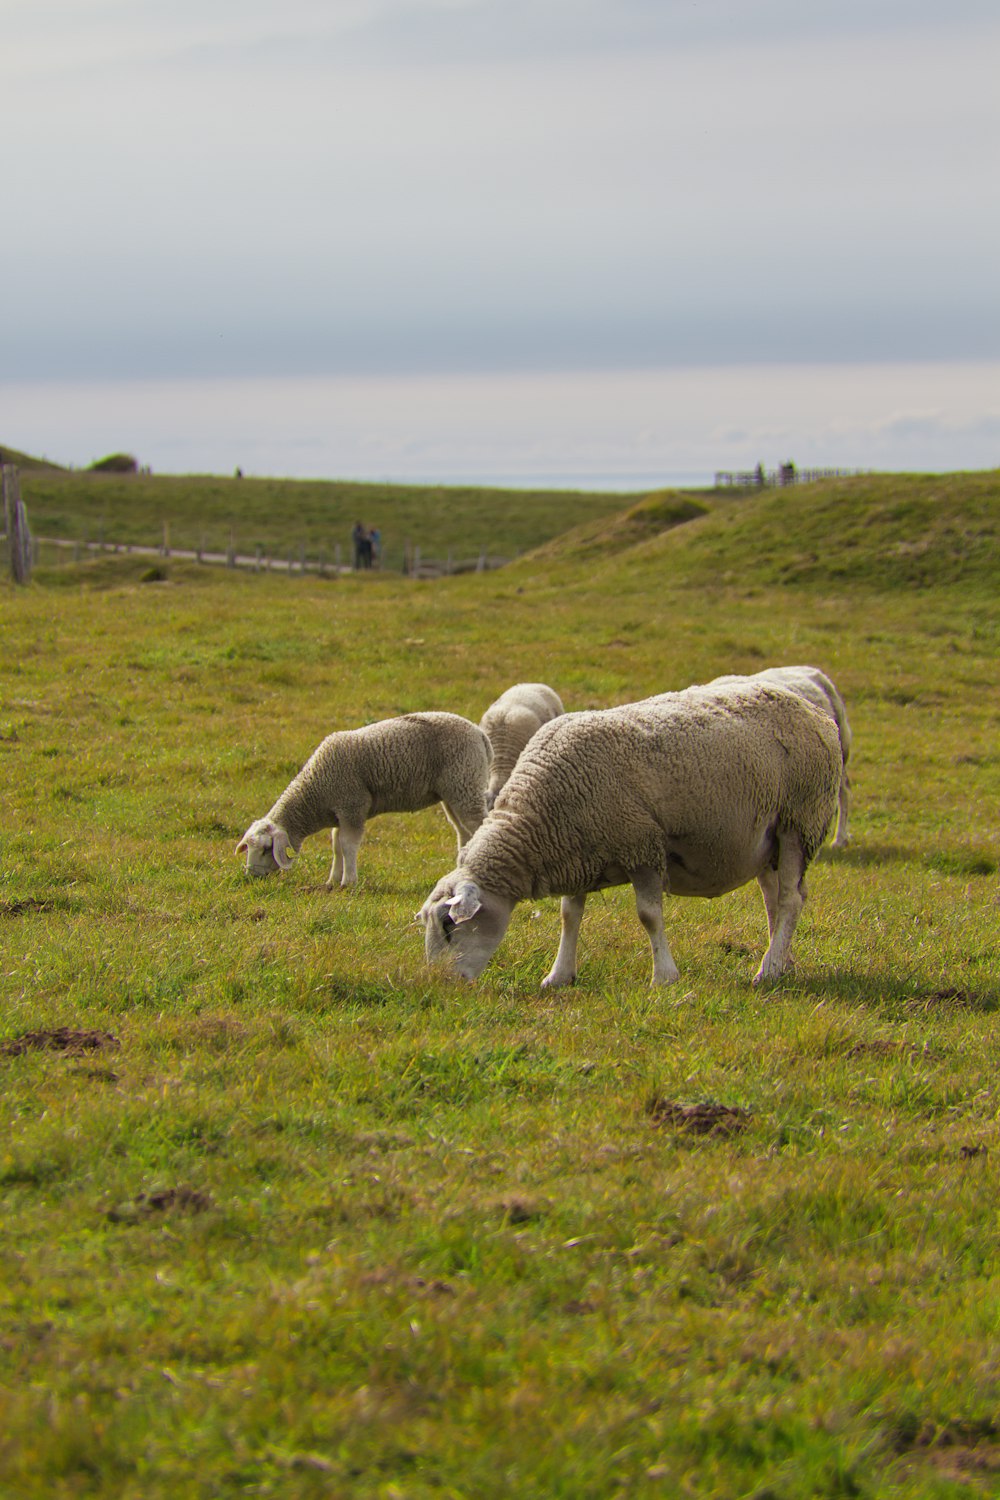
(396, 765)
(693, 793)
(812, 684)
(510, 722)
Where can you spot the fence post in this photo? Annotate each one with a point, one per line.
(5, 470)
(18, 531)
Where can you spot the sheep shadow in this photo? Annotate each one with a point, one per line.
(963, 861)
(862, 856)
(881, 991)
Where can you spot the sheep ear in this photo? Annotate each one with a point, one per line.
(465, 902)
(242, 846)
(282, 850)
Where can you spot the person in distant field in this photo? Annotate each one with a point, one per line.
(375, 538)
(360, 539)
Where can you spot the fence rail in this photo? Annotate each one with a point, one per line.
(786, 474)
(414, 563)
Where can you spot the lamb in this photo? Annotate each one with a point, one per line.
(395, 765)
(510, 722)
(814, 685)
(693, 793)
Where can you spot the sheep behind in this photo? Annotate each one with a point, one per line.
(511, 721)
(396, 765)
(816, 687)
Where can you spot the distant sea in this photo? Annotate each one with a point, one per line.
(609, 483)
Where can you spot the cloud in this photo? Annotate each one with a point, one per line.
(640, 423)
(475, 185)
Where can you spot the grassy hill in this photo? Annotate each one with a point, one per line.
(285, 517)
(286, 1212)
(26, 463)
(882, 531)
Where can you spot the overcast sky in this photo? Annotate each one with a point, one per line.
(321, 203)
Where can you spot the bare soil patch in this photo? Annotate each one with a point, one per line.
(706, 1118)
(63, 1039)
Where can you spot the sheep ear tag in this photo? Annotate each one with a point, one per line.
(464, 904)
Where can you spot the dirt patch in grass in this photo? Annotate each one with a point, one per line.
(383, 1277)
(891, 1047)
(705, 1118)
(62, 1039)
(962, 997)
(961, 1452)
(21, 908)
(514, 1208)
(162, 1201)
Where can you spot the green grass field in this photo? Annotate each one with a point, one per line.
(284, 1213)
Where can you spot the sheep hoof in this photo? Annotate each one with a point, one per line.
(558, 981)
(770, 975)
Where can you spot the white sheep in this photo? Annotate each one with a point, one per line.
(692, 793)
(511, 721)
(812, 684)
(395, 765)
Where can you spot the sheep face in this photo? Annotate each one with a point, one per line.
(266, 847)
(463, 924)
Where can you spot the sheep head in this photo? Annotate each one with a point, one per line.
(266, 847)
(463, 924)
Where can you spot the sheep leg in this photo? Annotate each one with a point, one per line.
(768, 882)
(346, 843)
(841, 837)
(648, 889)
(465, 820)
(563, 971)
(790, 881)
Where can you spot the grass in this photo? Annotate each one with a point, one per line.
(286, 1213)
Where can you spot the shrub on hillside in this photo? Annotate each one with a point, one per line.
(116, 463)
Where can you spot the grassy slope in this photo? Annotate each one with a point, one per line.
(437, 1241)
(284, 516)
(25, 462)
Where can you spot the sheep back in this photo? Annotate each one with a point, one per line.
(401, 764)
(810, 683)
(692, 785)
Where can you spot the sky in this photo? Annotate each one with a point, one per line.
(475, 238)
